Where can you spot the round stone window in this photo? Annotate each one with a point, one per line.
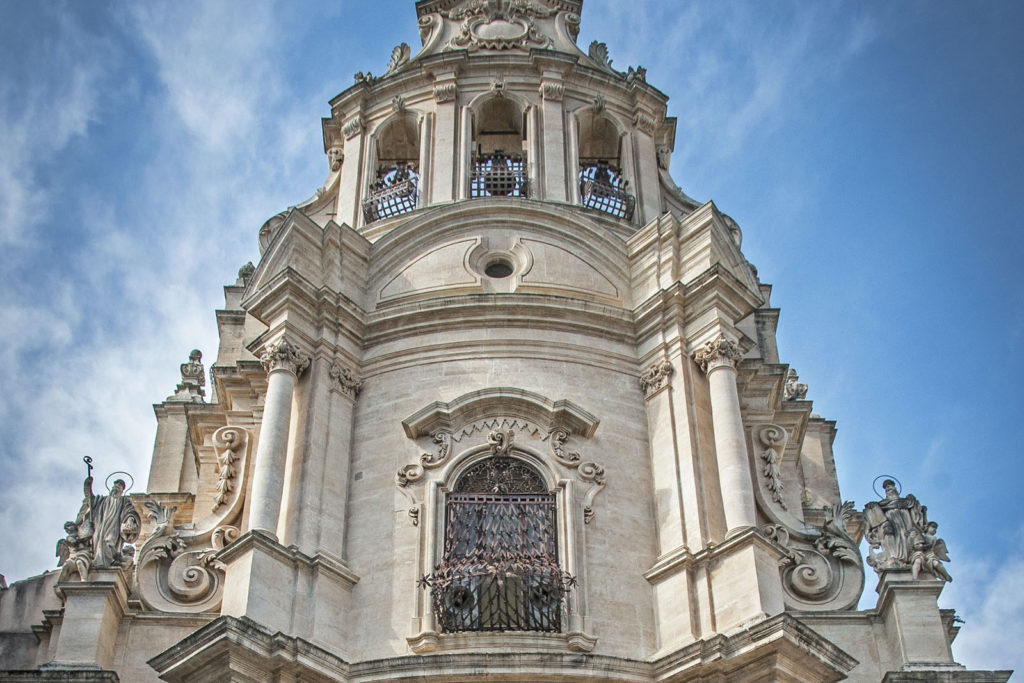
(498, 268)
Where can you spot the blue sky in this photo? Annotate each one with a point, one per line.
(870, 151)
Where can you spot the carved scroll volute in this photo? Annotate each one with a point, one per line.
(822, 568)
(177, 569)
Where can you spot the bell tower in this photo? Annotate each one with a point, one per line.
(500, 398)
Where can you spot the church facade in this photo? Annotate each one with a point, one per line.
(499, 399)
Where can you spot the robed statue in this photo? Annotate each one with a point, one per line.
(98, 536)
(901, 537)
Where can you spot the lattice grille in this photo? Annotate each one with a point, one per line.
(498, 175)
(603, 188)
(394, 192)
(500, 569)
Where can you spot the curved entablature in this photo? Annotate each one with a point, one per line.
(487, 248)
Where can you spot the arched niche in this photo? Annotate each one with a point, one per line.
(499, 164)
(603, 185)
(394, 185)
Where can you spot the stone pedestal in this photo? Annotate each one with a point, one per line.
(92, 610)
(286, 590)
(914, 627)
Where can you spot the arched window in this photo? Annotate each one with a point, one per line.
(500, 570)
(602, 186)
(395, 188)
(499, 156)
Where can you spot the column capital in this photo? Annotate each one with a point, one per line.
(721, 352)
(284, 355)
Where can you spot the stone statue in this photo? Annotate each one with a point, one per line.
(97, 537)
(794, 389)
(898, 528)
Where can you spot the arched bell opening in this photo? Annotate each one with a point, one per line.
(602, 185)
(395, 186)
(499, 150)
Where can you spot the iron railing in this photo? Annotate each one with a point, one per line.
(500, 567)
(498, 175)
(602, 187)
(394, 192)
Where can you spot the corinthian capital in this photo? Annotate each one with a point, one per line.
(284, 355)
(721, 352)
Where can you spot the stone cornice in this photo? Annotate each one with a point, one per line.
(321, 563)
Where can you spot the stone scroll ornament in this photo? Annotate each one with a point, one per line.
(499, 25)
(102, 532)
(821, 567)
(500, 443)
(901, 537)
(177, 568)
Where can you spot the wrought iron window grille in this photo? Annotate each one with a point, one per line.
(394, 192)
(603, 188)
(498, 175)
(500, 567)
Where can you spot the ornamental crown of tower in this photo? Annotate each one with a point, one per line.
(499, 397)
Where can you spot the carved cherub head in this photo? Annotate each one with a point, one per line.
(334, 157)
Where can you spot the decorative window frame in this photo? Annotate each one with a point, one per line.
(518, 424)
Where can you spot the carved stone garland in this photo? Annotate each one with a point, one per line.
(772, 440)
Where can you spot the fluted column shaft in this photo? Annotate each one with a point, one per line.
(718, 359)
(284, 363)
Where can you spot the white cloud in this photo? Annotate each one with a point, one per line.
(92, 345)
(988, 594)
(48, 96)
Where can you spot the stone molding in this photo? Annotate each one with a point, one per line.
(284, 355)
(321, 563)
(719, 353)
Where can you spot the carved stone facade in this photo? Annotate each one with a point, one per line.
(530, 424)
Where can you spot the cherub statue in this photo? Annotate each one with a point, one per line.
(74, 553)
(928, 553)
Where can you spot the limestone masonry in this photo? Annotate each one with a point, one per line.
(499, 399)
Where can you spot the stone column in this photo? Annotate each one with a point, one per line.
(284, 363)
(718, 359)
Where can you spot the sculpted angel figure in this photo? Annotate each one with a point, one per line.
(74, 553)
(929, 552)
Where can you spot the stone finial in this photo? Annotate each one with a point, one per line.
(794, 390)
(284, 355)
(721, 352)
(399, 58)
(655, 377)
(345, 380)
(245, 273)
(899, 530)
(193, 379)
